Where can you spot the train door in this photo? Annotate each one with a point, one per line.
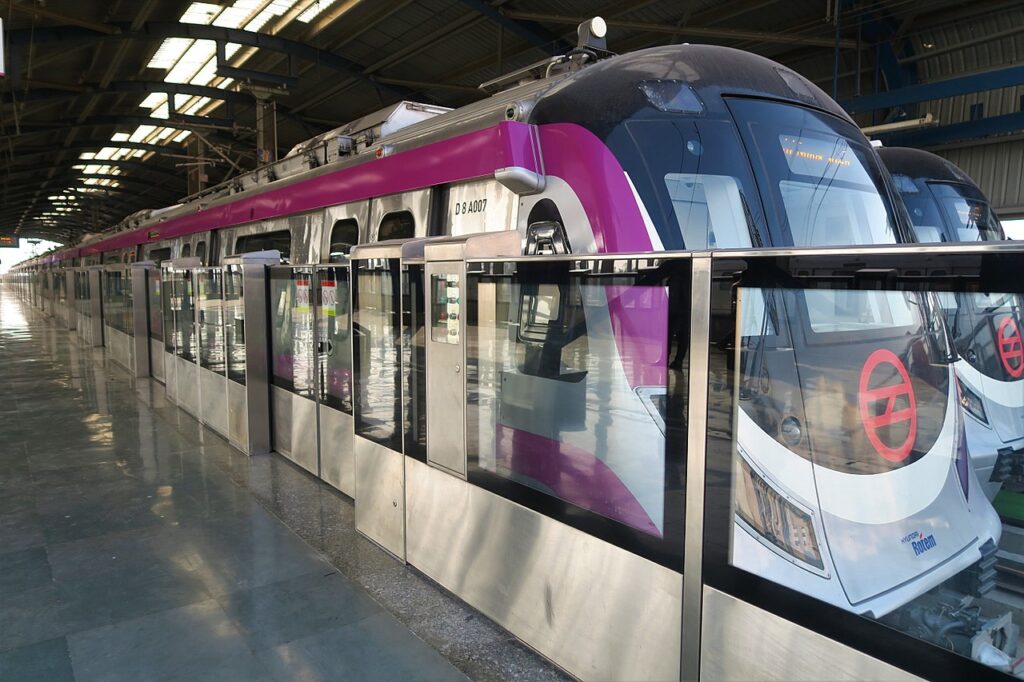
(94, 285)
(154, 299)
(342, 225)
(211, 343)
(377, 395)
(334, 377)
(186, 348)
(446, 385)
(118, 325)
(293, 362)
(168, 305)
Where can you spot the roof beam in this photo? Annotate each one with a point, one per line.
(693, 31)
(931, 137)
(523, 26)
(923, 92)
(43, 13)
(59, 90)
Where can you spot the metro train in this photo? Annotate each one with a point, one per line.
(680, 148)
(945, 205)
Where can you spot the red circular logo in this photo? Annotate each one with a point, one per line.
(1011, 350)
(880, 366)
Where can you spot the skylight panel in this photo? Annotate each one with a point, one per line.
(141, 132)
(87, 155)
(153, 100)
(169, 52)
(182, 136)
(275, 9)
(193, 60)
(162, 111)
(314, 10)
(200, 13)
(195, 106)
(206, 74)
(119, 137)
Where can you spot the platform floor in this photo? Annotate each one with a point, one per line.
(137, 545)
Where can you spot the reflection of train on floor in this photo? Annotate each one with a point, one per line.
(945, 205)
(846, 488)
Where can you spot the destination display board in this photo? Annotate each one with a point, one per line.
(8, 241)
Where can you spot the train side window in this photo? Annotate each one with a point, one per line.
(201, 252)
(160, 255)
(397, 225)
(280, 240)
(186, 251)
(344, 235)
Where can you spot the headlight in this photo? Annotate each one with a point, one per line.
(972, 402)
(774, 518)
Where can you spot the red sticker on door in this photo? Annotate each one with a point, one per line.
(897, 400)
(1011, 349)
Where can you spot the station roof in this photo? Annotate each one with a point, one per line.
(108, 106)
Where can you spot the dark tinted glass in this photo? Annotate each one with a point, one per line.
(281, 241)
(820, 182)
(344, 235)
(397, 225)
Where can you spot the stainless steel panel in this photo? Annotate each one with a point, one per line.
(696, 440)
(596, 610)
(188, 387)
(171, 375)
(358, 210)
(380, 495)
(117, 347)
(743, 642)
(156, 356)
(446, 378)
(481, 205)
(238, 413)
(304, 451)
(337, 462)
(257, 368)
(281, 415)
(416, 202)
(213, 394)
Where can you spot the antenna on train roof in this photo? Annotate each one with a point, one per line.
(591, 46)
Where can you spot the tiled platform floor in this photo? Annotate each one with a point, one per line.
(136, 545)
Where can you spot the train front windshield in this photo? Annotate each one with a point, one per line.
(792, 176)
(948, 212)
(818, 179)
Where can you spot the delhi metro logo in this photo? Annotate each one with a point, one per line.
(1011, 350)
(887, 407)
